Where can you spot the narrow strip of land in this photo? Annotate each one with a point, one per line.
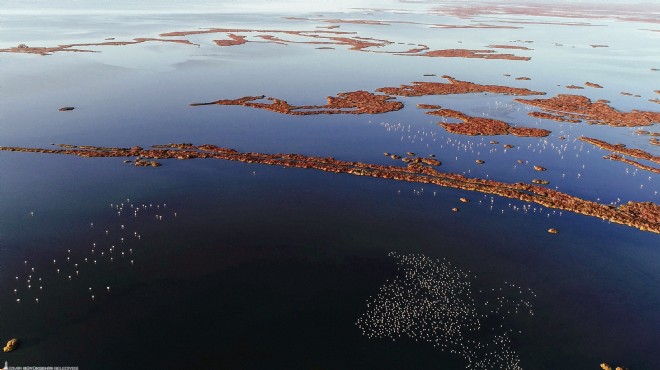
(641, 215)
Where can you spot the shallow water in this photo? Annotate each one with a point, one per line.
(253, 266)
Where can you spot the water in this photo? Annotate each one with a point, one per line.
(233, 265)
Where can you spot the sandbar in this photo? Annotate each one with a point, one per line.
(335, 22)
(641, 166)
(597, 10)
(233, 40)
(618, 148)
(467, 53)
(454, 86)
(74, 47)
(483, 126)
(315, 37)
(641, 215)
(355, 102)
(516, 47)
(569, 108)
(364, 102)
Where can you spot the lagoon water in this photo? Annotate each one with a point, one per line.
(214, 264)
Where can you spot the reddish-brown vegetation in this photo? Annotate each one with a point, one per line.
(570, 108)
(454, 87)
(233, 40)
(74, 47)
(466, 53)
(644, 216)
(516, 47)
(617, 148)
(355, 102)
(483, 126)
(594, 85)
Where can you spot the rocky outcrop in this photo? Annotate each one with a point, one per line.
(605, 366)
(11, 345)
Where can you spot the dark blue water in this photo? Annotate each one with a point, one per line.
(232, 265)
(274, 268)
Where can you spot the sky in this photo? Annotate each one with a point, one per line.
(193, 6)
(8, 7)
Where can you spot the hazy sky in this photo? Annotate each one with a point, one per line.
(225, 6)
(68, 6)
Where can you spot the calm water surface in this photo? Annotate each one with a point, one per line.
(232, 265)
